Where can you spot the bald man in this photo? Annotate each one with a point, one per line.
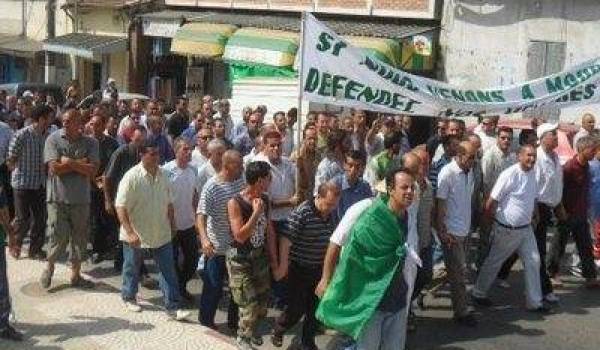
(453, 199)
(588, 122)
(212, 223)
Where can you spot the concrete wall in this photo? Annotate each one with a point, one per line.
(485, 43)
(118, 69)
(11, 18)
(102, 22)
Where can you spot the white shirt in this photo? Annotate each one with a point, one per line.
(549, 176)
(183, 184)
(487, 141)
(342, 231)
(283, 184)
(204, 174)
(456, 188)
(198, 160)
(515, 191)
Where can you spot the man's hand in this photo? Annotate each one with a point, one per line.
(208, 249)
(258, 205)
(447, 238)
(66, 160)
(14, 249)
(321, 288)
(133, 239)
(280, 273)
(108, 206)
(295, 200)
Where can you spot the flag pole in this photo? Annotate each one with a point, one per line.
(300, 76)
(300, 88)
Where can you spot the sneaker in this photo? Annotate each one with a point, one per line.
(256, 340)
(9, 333)
(243, 343)
(503, 283)
(82, 283)
(543, 309)
(277, 340)
(468, 320)
(46, 279)
(179, 314)
(484, 302)
(556, 281)
(551, 298)
(132, 306)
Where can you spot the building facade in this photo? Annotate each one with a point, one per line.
(504, 42)
(246, 50)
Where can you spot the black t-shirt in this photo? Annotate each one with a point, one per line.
(394, 298)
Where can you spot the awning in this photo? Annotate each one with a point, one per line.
(380, 27)
(202, 39)
(86, 45)
(20, 46)
(387, 50)
(276, 48)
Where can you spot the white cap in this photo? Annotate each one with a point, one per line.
(111, 80)
(544, 128)
(27, 93)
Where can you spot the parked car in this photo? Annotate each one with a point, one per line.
(18, 89)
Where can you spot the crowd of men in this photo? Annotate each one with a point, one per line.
(341, 229)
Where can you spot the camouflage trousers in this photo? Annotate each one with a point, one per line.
(249, 283)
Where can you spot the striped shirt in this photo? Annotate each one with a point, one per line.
(213, 204)
(27, 149)
(309, 234)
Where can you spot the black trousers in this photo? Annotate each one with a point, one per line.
(541, 233)
(30, 213)
(104, 227)
(580, 230)
(185, 243)
(302, 281)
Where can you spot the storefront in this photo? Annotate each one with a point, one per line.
(20, 59)
(97, 57)
(251, 58)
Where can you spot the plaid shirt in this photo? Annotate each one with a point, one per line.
(27, 150)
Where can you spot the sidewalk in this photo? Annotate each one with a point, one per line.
(70, 319)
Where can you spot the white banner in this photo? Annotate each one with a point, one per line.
(335, 72)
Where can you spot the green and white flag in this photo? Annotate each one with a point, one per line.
(335, 72)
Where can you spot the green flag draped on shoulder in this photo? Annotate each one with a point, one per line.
(367, 265)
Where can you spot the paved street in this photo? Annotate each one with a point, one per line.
(63, 318)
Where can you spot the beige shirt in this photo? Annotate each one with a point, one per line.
(146, 199)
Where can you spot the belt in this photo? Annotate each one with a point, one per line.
(512, 227)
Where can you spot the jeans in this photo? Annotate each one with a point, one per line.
(186, 243)
(384, 331)
(4, 296)
(30, 212)
(504, 242)
(212, 291)
(163, 257)
(580, 230)
(303, 302)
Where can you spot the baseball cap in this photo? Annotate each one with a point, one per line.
(544, 128)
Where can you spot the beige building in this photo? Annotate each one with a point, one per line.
(97, 44)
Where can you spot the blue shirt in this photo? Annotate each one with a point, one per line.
(594, 187)
(351, 194)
